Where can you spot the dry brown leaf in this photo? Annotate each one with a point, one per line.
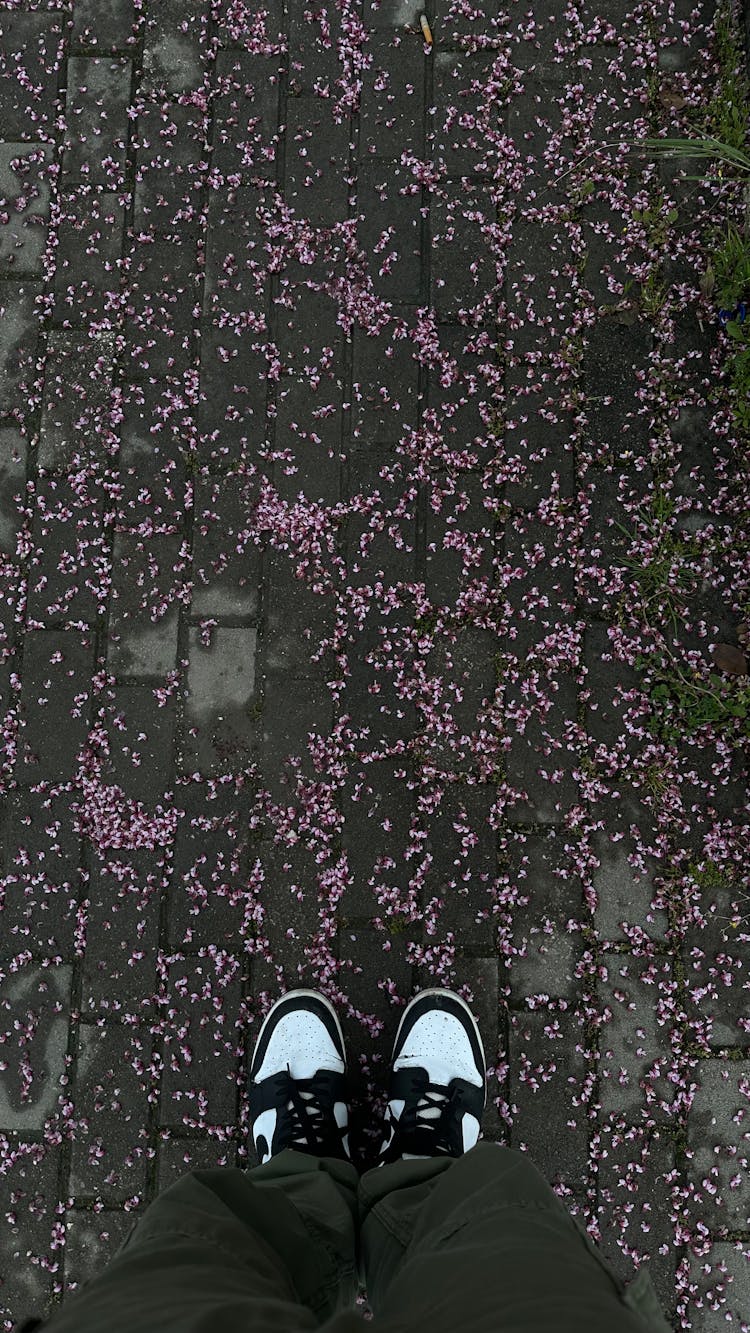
(670, 97)
(708, 281)
(627, 315)
(730, 659)
(743, 633)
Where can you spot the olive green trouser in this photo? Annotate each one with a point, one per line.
(476, 1243)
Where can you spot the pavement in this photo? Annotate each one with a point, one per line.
(325, 424)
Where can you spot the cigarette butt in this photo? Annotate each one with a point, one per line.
(426, 29)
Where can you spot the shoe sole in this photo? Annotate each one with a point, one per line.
(297, 995)
(435, 995)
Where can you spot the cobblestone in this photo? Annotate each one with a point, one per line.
(24, 204)
(332, 424)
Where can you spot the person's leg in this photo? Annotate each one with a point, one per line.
(273, 1248)
(482, 1242)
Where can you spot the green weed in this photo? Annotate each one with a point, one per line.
(663, 580)
(684, 700)
(730, 267)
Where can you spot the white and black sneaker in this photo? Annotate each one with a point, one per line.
(299, 1095)
(437, 1089)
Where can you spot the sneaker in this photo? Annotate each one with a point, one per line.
(437, 1089)
(298, 1081)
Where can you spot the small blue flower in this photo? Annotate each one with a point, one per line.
(739, 314)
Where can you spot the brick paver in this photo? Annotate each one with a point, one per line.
(319, 430)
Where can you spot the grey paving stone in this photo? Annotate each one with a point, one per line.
(552, 47)
(13, 455)
(91, 1241)
(377, 808)
(634, 1171)
(55, 701)
(610, 491)
(390, 227)
(612, 95)
(613, 355)
(372, 693)
(722, 1285)
(381, 530)
(624, 888)
(459, 541)
(533, 122)
(292, 709)
(545, 952)
(31, 46)
(454, 21)
(608, 683)
(718, 1166)
(122, 932)
(19, 332)
(457, 135)
(378, 14)
(226, 564)
(201, 1066)
(178, 1156)
(72, 423)
(169, 144)
(159, 319)
(208, 899)
(317, 156)
(459, 396)
(538, 440)
(246, 114)
(237, 281)
(68, 547)
(221, 699)
(464, 871)
(463, 269)
(96, 121)
(291, 914)
(90, 239)
(605, 272)
(140, 733)
(385, 386)
(172, 53)
(153, 460)
(547, 1070)
(238, 26)
(540, 763)
(466, 659)
(36, 1012)
(635, 1050)
(24, 207)
(107, 25)
(41, 862)
(712, 958)
(313, 57)
(142, 570)
(109, 1156)
(392, 105)
(313, 444)
(233, 393)
(28, 1198)
(309, 339)
(297, 622)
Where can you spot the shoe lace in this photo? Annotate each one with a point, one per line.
(307, 1120)
(436, 1121)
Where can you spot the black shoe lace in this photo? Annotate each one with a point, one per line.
(433, 1135)
(307, 1122)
